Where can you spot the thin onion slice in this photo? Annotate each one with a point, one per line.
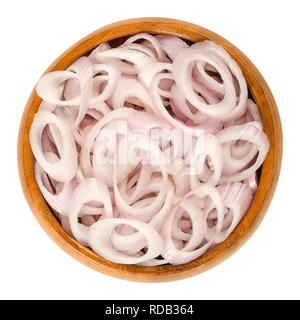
(249, 132)
(88, 190)
(64, 169)
(237, 198)
(99, 240)
(57, 200)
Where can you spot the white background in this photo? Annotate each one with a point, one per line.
(33, 34)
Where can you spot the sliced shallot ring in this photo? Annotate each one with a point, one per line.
(237, 157)
(113, 77)
(85, 161)
(136, 242)
(251, 114)
(199, 225)
(207, 81)
(49, 88)
(45, 106)
(182, 74)
(210, 96)
(171, 45)
(83, 68)
(64, 169)
(103, 170)
(212, 149)
(102, 47)
(53, 137)
(137, 58)
(128, 87)
(205, 190)
(88, 190)
(99, 240)
(148, 212)
(170, 253)
(236, 71)
(155, 43)
(177, 232)
(249, 132)
(139, 47)
(58, 202)
(81, 133)
(182, 106)
(141, 185)
(158, 220)
(148, 72)
(160, 109)
(102, 107)
(181, 180)
(175, 256)
(237, 197)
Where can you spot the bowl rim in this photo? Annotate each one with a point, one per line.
(270, 169)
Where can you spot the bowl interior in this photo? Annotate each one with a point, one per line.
(268, 175)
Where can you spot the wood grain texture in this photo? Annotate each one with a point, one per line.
(269, 175)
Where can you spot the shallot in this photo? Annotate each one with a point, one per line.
(148, 153)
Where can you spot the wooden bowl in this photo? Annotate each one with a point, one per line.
(269, 174)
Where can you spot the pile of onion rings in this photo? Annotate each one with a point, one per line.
(148, 152)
